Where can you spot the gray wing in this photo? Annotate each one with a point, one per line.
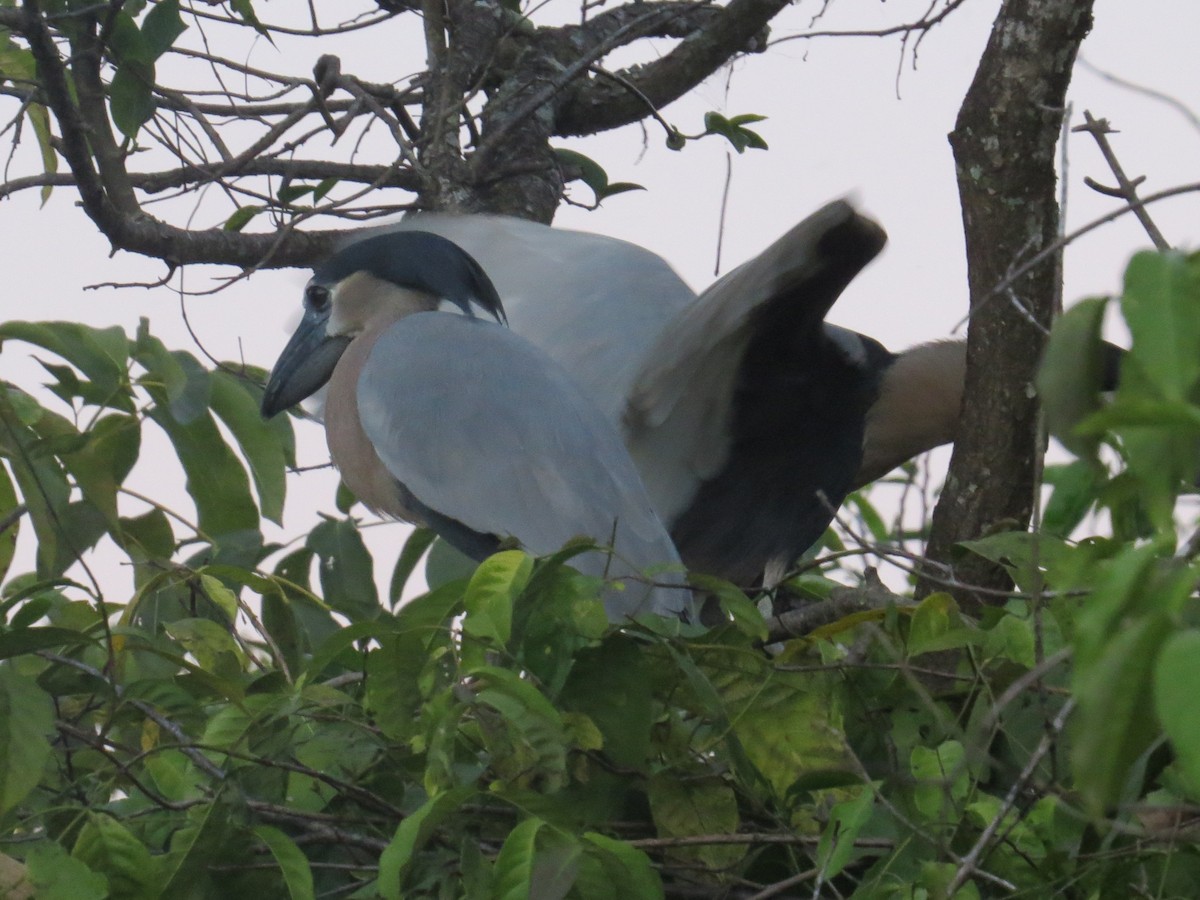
(680, 409)
(596, 304)
(483, 428)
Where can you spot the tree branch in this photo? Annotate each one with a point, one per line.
(1003, 145)
(598, 105)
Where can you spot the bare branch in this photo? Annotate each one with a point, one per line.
(597, 106)
(1126, 189)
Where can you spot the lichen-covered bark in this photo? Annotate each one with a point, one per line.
(1004, 143)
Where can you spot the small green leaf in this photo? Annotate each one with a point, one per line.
(937, 625)
(108, 847)
(593, 175)
(1115, 721)
(846, 821)
(942, 780)
(630, 873)
(414, 548)
(245, 9)
(212, 646)
(491, 593)
(292, 862)
(10, 517)
(745, 614)
(1176, 687)
(346, 569)
(1071, 375)
(22, 640)
(241, 217)
(686, 808)
(26, 721)
(161, 27)
(58, 876)
(101, 354)
(131, 96)
(1159, 303)
(267, 447)
(514, 866)
(411, 836)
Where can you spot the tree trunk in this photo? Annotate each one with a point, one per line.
(1004, 142)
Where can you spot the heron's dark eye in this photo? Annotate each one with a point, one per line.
(316, 297)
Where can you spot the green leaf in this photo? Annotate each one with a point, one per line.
(212, 646)
(414, 548)
(102, 462)
(216, 479)
(788, 722)
(445, 565)
(592, 174)
(241, 217)
(412, 834)
(177, 376)
(20, 641)
(42, 484)
(292, 862)
(108, 847)
(147, 538)
(290, 193)
(39, 118)
(608, 685)
(161, 27)
(741, 609)
(1076, 487)
(514, 866)
(204, 840)
(1176, 687)
(1071, 375)
(1159, 303)
(733, 130)
(58, 876)
(26, 719)
(125, 39)
(628, 869)
(337, 643)
(346, 570)
(687, 808)
(1026, 555)
(532, 748)
(17, 64)
(267, 447)
(10, 521)
(131, 97)
(942, 780)
(245, 9)
(490, 595)
(1115, 721)
(102, 354)
(937, 625)
(846, 821)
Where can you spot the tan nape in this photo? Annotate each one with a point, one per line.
(362, 301)
(917, 408)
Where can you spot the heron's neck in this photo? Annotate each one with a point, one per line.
(920, 394)
(353, 454)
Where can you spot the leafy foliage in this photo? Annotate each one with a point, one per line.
(235, 726)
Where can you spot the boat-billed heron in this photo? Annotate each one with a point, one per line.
(449, 419)
(748, 416)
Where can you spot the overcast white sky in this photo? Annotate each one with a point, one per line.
(846, 116)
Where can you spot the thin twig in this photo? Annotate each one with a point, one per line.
(1126, 188)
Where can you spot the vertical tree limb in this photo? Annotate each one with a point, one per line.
(1003, 145)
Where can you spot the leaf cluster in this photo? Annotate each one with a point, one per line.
(251, 718)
